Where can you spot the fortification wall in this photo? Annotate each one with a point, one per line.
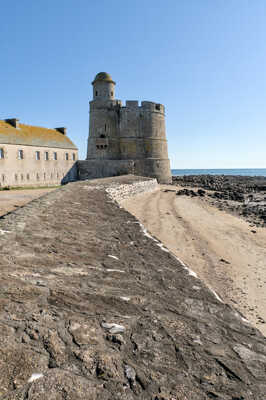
(154, 168)
(92, 169)
(129, 121)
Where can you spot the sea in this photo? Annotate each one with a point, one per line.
(240, 171)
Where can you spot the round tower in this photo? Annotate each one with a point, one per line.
(103, 141)
(153, 158)
(103, 87)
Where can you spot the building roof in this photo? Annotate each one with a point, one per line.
(33, 136)
(103, 77)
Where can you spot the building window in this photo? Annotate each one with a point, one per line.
(21, 177)
(2, 155)
(37, 155)
(96, 93)
(55, 156)
(66, 156)
(73, 156)
(20, 155)
(16, 177)
(28, 177)
(3, 178)
(44, 175)
(46, 155)
(157, 107)
(37, 177)
(112, 93)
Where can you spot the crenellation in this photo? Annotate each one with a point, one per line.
(150, 106)
(132, 103)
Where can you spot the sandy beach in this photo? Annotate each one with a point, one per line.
(221, 248)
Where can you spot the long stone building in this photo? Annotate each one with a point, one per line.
(35, 156)
(126, 139)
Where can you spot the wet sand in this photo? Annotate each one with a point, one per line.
(219, 247)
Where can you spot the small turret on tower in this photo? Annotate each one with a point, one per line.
(103, 87)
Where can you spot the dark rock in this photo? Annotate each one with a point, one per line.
(201, 192)
(224, 261)
(186, 192)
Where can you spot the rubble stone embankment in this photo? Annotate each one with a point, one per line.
(93, 307)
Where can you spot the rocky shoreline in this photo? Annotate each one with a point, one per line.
(244, 196)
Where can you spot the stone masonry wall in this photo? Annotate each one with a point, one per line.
(120, 192)
(92, 169)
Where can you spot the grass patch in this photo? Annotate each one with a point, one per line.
(28, 187)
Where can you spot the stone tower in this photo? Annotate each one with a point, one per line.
(103, 141)
(124, 139)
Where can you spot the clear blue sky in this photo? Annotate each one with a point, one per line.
(204, 59)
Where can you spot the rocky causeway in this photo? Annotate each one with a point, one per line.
(93, 307)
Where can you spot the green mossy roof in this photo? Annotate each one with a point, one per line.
(33, 136)
(103, 77)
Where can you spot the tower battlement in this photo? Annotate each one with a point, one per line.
(134, 134)
(151, 106)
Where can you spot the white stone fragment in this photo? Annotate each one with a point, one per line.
(130, 373)
(113, 328)
(242, 318)
(2, 232)
(245, 320)
(115, 270)
(196, 287)
(89, 188)
(197, 340)
(162, 247)
(125, 298)
(192, 273)
(145, 232)
(116, 258)
(216, 295)
(180, 261)
(34, 377)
